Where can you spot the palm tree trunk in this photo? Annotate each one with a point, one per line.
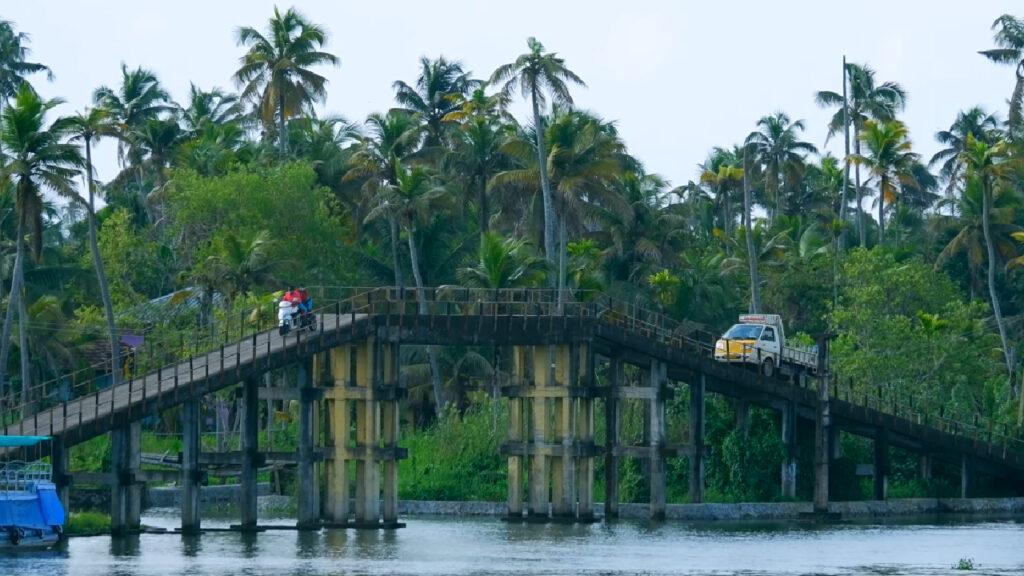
(1016, 117)
(282, 137)
(12, 303)
(393, 225)
(997, 311)
(482, 207)
(882, 186)
(755, 280)
(545, 185)
(841, 243)
(421, 298)
(861, 224)
(26, 365)
(101, 276)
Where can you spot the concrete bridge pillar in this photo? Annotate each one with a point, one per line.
(925, 467)
(190, 473)
(249, 427)
(558, 383)
(658, 378)
(613, 425)
(365, 377)
(881, 464)
(60, 462)
(967, 477)
(697, 440)
(126, 493)
(822, 433)
(308, 513)
(789, 442)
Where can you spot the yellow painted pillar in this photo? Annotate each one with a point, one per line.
(367, 436)
(389, 429)
(543, 358)
(338, 480)
(563, 466)
(585, 427)
(520, 371)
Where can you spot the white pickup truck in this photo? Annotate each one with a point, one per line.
(760, 340)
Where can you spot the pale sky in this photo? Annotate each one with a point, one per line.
(677, 77)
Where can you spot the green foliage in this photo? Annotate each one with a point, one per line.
(137, 267)
(904, 327)
(457, 458)
(964, 564)
(87, 524)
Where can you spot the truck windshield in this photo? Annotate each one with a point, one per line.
(744, 332)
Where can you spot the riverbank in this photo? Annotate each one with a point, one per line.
(221, 496)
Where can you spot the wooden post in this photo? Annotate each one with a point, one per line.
(250, 451)
(60, 460)
(789, 442)
(656, 409)
(697, 439)
(190, 474)
(308, 491)
(613, 425)
(881, 471)
(822, 452)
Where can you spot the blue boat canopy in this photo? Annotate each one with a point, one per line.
(17, 441)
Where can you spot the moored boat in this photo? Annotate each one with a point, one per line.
(31, 514)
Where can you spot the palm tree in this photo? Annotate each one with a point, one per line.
(539, 75)
(413, 199)
(867, 100)
(239, 264)
(88, 127)
(748, 235)
(777, 146)
(39, 159)
(987, 165)
(476, 155)
(891, 162)
(722, 172)
(14, 68)
(504, 263)
(392, 137)
(970, 237)
(275, 72)
(974, 121)
(209, 108)
(1009, 37)
(438, 91)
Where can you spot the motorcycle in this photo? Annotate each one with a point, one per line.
(289, 318)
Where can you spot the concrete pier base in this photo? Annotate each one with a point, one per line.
(250, 452)
(881, 464)
(308, 515)
(190, 473)
(697, 414)
(613, 426)
(126, 494)
(789, 441)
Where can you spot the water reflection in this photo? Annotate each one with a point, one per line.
(488, 546)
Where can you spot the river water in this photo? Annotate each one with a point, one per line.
(430, 545)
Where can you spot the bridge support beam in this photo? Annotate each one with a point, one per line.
(789, 442)
(308, 491)
(822, 434)
(697, 440)
(559, 447)
(967, 476)
(881, 464)
(126, 494)
(190, 473)
(658, 375)
(249, 428)
(925, 467)
(613, 426)
(365, 379)
(60, 461)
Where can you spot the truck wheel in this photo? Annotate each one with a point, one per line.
(768, 367)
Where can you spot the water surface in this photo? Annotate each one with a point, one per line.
(490, 546)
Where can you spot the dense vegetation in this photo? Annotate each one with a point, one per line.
(911, 262)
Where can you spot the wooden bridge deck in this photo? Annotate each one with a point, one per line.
(611, 333)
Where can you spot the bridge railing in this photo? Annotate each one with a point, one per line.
(167, 345)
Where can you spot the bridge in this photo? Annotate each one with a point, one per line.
(569, 365)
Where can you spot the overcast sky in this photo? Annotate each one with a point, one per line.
(677, 77)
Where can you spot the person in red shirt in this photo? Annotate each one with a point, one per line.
(305, 302)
